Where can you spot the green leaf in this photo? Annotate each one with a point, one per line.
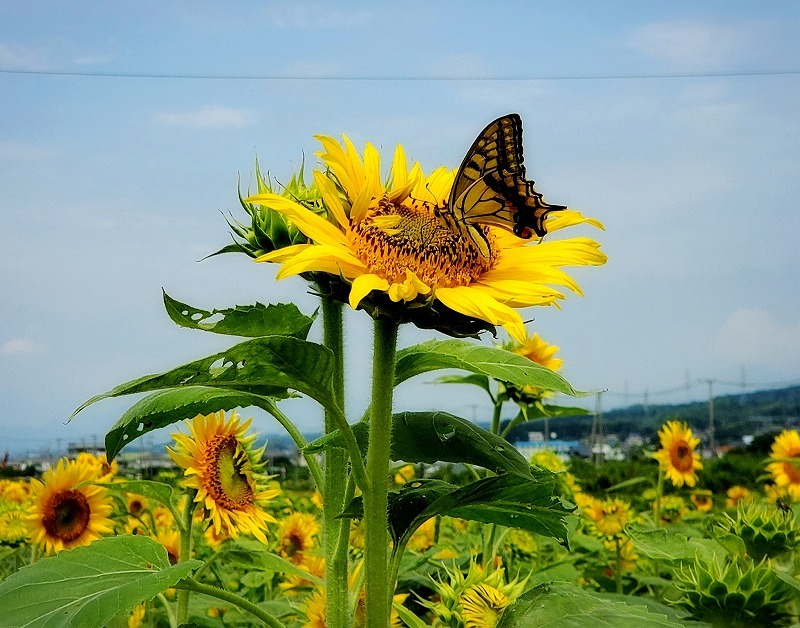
(496, 363)
(166, 407)
(152, 490)
(88, 585)
(563, 605)
(668, 544)
(254, 555)
(509, 500)
(481, 381)
(260, 366)
(407, 617)
(437, 437)
(252, 321)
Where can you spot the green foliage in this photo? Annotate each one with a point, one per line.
(496, 363)
(568, 606)
(437, 437)
(253, 555)
(251, 321)
(509, 500)
(87, 586)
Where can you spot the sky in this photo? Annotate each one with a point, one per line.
(127, 127)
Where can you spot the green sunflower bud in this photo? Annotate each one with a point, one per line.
(766, 530)
(270, 230)
(728, 592)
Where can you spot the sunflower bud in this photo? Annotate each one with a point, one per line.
(730, 592)
(766, 530)
(268, 229)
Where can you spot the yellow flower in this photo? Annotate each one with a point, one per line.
(677, 456)
(673, 507)
(392, 241)
(296, 536)
(315, 608)
(13, 526)
(404, 474)
(171, 540)
(702, 500)
(537, 350)
(102, 470)
(785, 473)
(214, 540)
(548, 460)
(220, 463)
(313, 564)
(137, 616)
(14, 492)
(627, 555)
(136, 504)
(737, 495)
(424, 537)
(482, 606)
(609, 516)
(66, 511)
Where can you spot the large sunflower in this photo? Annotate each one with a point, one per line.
(677, 456)
(297, 536)
(390, 241)
(221, 464)
(67, 511)
(785, 472)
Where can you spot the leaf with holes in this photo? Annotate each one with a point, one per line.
(496, 363)
(251, 321)
(87, 586)
(259, 366)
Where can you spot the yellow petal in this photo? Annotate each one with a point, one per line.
(472, 302)
(312, 225)
(568, 218)
(399, 168)
(363, 285)
(330, 196)
(335, 260)
(281, 255)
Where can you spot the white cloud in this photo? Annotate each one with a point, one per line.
(16, 57)
(18, 346)
(751, 336)
(690, 45)
(313, 16)
(209, 117)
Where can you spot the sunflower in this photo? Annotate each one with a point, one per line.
(482, 606)
(404, 474)
(737, 495)
(548, 459)
(702, 500)
(137, 616)
(136, 504)
(171, 540)
(13, 527)
(677, 456)
(785, 473)
(609, 516)
(424, 537)
(67, 511)
(297, 535)
(221, 464)
(390, 240)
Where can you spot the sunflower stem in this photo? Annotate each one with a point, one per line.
(173, 623)
(376, 518)
(185, 527)
(334, 487)
(189, 584)
(618, 570)
(659, 493)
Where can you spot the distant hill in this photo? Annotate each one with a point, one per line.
(734, 416)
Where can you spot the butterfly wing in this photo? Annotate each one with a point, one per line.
(490, 187)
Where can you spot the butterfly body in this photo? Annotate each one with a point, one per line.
(490, 188)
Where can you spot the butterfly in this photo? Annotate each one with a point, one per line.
(490, 187)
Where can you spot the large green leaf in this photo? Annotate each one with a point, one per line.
(252, 321)
(474, 379)
(88, 585)
(166, 407)
(261, 366)
(565, 606)
(496, 363)
(437, 437)
(673, 544)
(508, 500)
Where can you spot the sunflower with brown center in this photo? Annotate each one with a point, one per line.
(297, 536)
(677, 456)
(219, 461)
(67, 511)
(388, 249)
(785, 472)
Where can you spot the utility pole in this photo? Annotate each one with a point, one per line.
(597, 438)
(711, 444)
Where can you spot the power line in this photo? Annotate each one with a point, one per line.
(407, 78)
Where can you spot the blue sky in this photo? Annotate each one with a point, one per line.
(111, 187)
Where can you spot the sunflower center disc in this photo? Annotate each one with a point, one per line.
(66, 515)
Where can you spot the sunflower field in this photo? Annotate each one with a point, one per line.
(406, 518)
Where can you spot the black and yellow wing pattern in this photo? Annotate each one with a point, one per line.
(490, 187)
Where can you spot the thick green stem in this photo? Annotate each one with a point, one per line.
(498, 407)
(184, 586)
(376, 532)
(185, 525)
(335, 479)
